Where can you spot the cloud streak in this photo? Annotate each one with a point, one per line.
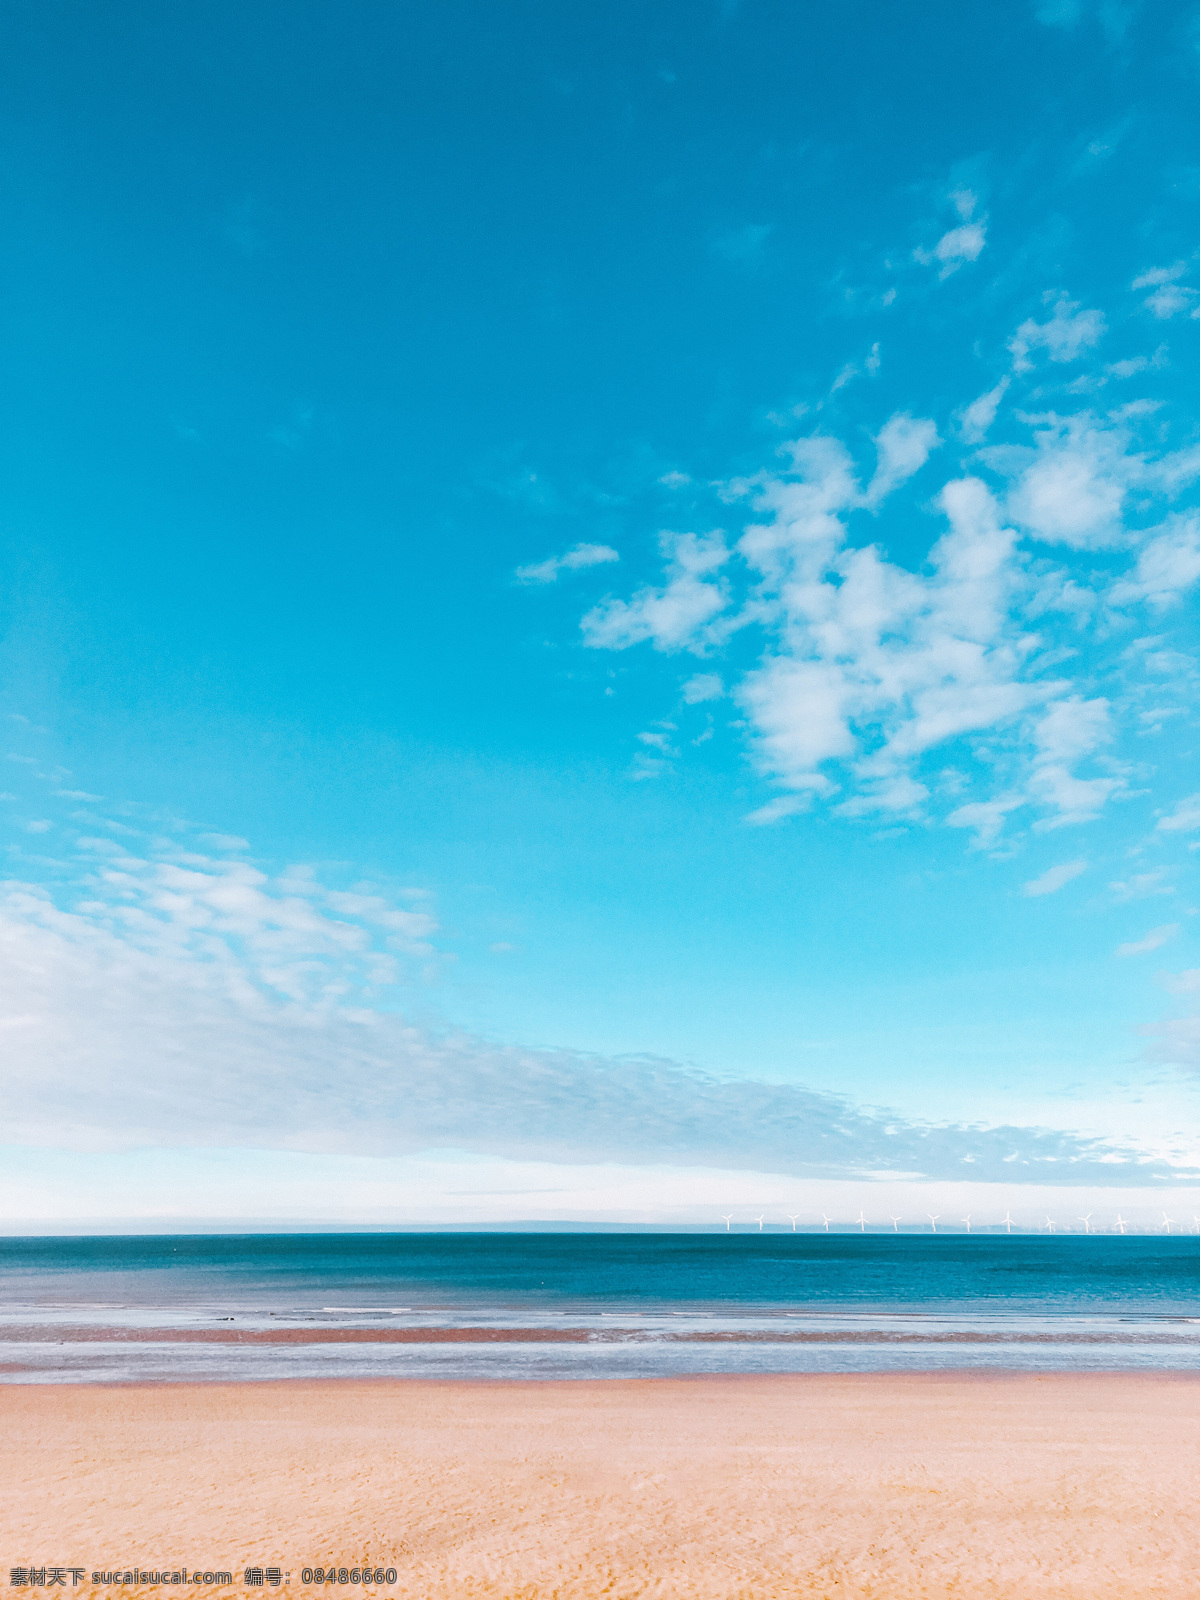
(1154, 940)
(1053, 879)
(174, 998)
(573, 560)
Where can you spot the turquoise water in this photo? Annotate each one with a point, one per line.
(563, 1304)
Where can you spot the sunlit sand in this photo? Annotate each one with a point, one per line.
(881, 1485)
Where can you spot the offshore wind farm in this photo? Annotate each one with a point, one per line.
(968, 1224)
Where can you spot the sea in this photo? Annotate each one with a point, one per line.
(560, 1305)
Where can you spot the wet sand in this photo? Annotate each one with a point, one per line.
(888, 1486)
(73, 1333)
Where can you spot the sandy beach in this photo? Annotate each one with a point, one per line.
(880, 1485)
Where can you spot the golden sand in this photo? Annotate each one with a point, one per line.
(880, 1485)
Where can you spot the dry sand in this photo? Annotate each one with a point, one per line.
(880, 1485)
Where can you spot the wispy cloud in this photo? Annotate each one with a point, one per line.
(575, 559)
(978, 417)
(985, 817)
(176, 999)
(903, 445)
(960, 244)
(1141, 886)
(1168, 296)
(1054, 878)
(1185, 818)
(672, 617)
(1168, 565)
(703, 686)
(1065, 337)
(1154, 940)
(956, 246)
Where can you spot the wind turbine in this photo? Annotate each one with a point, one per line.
(933, 1221)
(1087, 1222)
(826, 1220)
(967, 1220)
(727, 1220)
(1049, 1224)
(895, 1224)
(862, 1221)
(792, 1219)
(1121, 1223)
(759, 1220)
(1167, 1221)
(1007, 1222)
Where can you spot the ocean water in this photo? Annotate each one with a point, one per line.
(560, 1305)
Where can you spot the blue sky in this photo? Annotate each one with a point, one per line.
(603, 589)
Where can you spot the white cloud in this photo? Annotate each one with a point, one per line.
(1127, 369)
(1154, 940)
(992, 646)
(1169, 300)
(895, 792)
(1065, 337)
(1184, 819)
(800, 711)
(1141, 886)
(1167, 565)
(978, 417)
(405, 927)
(870, 665)
(208, 1005)
(1177, 470)
(961, 244)
(579, 556)
(1071, 486)
(903, 445)
(1182, 982)
(1053, 879)
(1169, 296)
(917, 660)
(985, 817)
(703, 686)
(670, 618)
(1157, 276)
(784, 805)
(1070, 730)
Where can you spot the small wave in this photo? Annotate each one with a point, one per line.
(369, 1311)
